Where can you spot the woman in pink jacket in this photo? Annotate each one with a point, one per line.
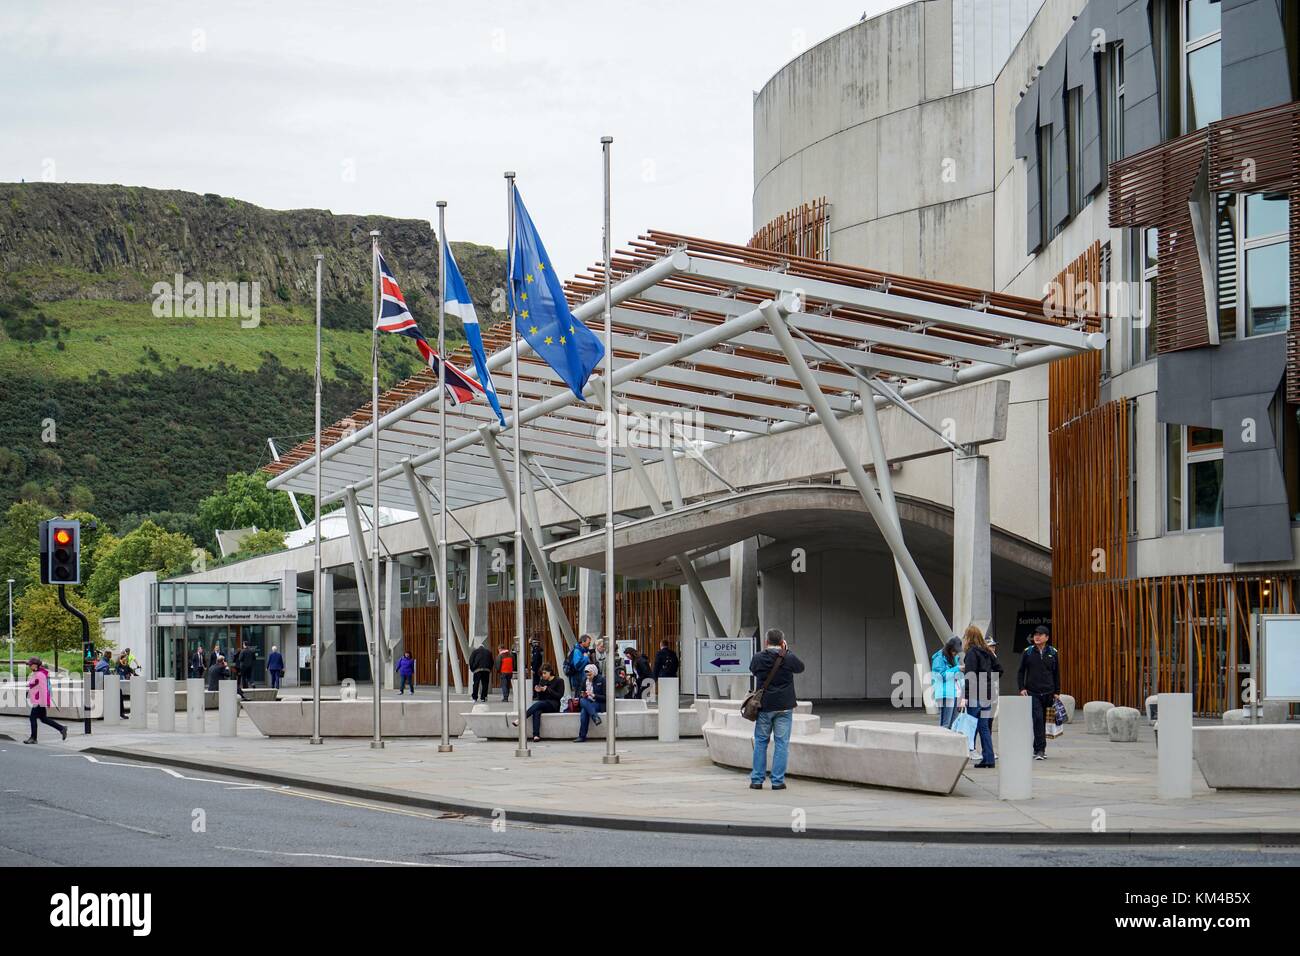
(38, 695)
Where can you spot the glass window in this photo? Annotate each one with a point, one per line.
(1267, 289)
(1045, 182)
(1205, 493)
(206, 597)
(1143, 269)
(264, 597)
(1202, 78)
(166, 593)
(1267, 214)
(1194, 478)
(1174, 478)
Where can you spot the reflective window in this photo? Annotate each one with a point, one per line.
(1203, 18)
(260, 596)
(1267, 214)
(1205, 494)
(1202, 80)
(1194, 478)
(206, 597)
(1267, 289)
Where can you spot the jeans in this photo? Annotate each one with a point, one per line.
(480, 689)
(590, 711)
(407, 679)
(984, 730)
(275, 678)
(947, 711)
(38, 713)
(1042, 705)
(505, 686)
(535, 711)
(769, 721)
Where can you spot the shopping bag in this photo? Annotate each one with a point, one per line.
(1058, 712)
(1055, 730)
(964, 723)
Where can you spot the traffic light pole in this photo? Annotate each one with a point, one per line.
(88, 671)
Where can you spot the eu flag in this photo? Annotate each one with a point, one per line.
(541, 312)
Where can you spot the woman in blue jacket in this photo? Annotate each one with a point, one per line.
(945, 678)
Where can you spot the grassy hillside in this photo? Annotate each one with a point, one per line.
(150, 413)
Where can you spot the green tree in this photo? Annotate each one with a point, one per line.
(43, 624)
(264, 541)
(18, 545)
(245, 502)
(147, 548)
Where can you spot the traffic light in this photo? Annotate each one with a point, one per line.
(61, 551)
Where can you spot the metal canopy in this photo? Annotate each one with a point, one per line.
(689, 341)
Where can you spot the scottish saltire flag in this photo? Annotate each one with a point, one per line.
(542, 315)
(394, 316)
(458, 303)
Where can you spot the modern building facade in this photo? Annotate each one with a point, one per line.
(1133, 162)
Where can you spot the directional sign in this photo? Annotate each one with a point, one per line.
(724, 657)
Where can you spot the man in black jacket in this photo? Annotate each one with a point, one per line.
(480, 666)
(1039, 678)
(776, 713)
(548, 691)
(666, 662)
(246, 660)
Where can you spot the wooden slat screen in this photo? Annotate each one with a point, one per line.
(803, 231)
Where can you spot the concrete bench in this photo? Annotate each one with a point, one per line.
(351, 718)
(66, 694)
(1249, 756)
(878, 753)
(1270, 712)
(704, 704)
(636, 720)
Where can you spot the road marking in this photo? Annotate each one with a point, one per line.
(328, 856)
(86, 816)
(175, 774)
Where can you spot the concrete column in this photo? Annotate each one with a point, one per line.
(668, 715)
(1015, 748)
(1174, 746)
(743, 562)
(329, 662)
(194, 703)
(112, 699)
(972, 573)
(589, 596)
(391, 611)
(287, 638)
(139, 704)
(167, 703)
(476, 593)
(228, 707)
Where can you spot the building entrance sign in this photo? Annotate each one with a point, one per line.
(240, 617)
(723, 658)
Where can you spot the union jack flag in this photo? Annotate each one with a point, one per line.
(394, 316)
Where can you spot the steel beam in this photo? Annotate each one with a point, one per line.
(458, 645)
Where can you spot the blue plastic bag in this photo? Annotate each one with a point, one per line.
(964, 723)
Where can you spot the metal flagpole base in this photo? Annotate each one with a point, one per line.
(609, 758)
(376, 745)
(523, 752)
(445, 748)
(316, 740)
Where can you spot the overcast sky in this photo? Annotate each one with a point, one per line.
(384, 106)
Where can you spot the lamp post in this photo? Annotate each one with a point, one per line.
(11, 628)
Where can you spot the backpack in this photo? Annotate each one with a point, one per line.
(568, 666)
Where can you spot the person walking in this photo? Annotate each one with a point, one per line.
(480, 667)
(666, 663)
(982, 670)
(39, 698)
(945, 676)
(1039, 678)
(506, 670)
(212, 657)
(246, 661)
(773, 668)
(548, 691)
(275, 667)
(575, 665)
(124, 675)
(198, 662)
(642, 673)
(591, 703)
(104, 664)
(406, 673)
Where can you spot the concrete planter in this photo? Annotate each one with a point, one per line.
(636, 720)
(1094, 716)
(1249, 757)
(877, 753)
(351, 718)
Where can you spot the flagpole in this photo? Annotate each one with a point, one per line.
(316, 570)
(521, 750)
(378, 658)
(444, 593)
(611, 644)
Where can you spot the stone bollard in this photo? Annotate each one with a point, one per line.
(1094, 716)
(194, 703)
(1174, 746)
(228, 707)
(139, 703)
(1122, 724)
(112, 699)
(1149, 708)
(1015, 749)
(669, 731)
(167, 703)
